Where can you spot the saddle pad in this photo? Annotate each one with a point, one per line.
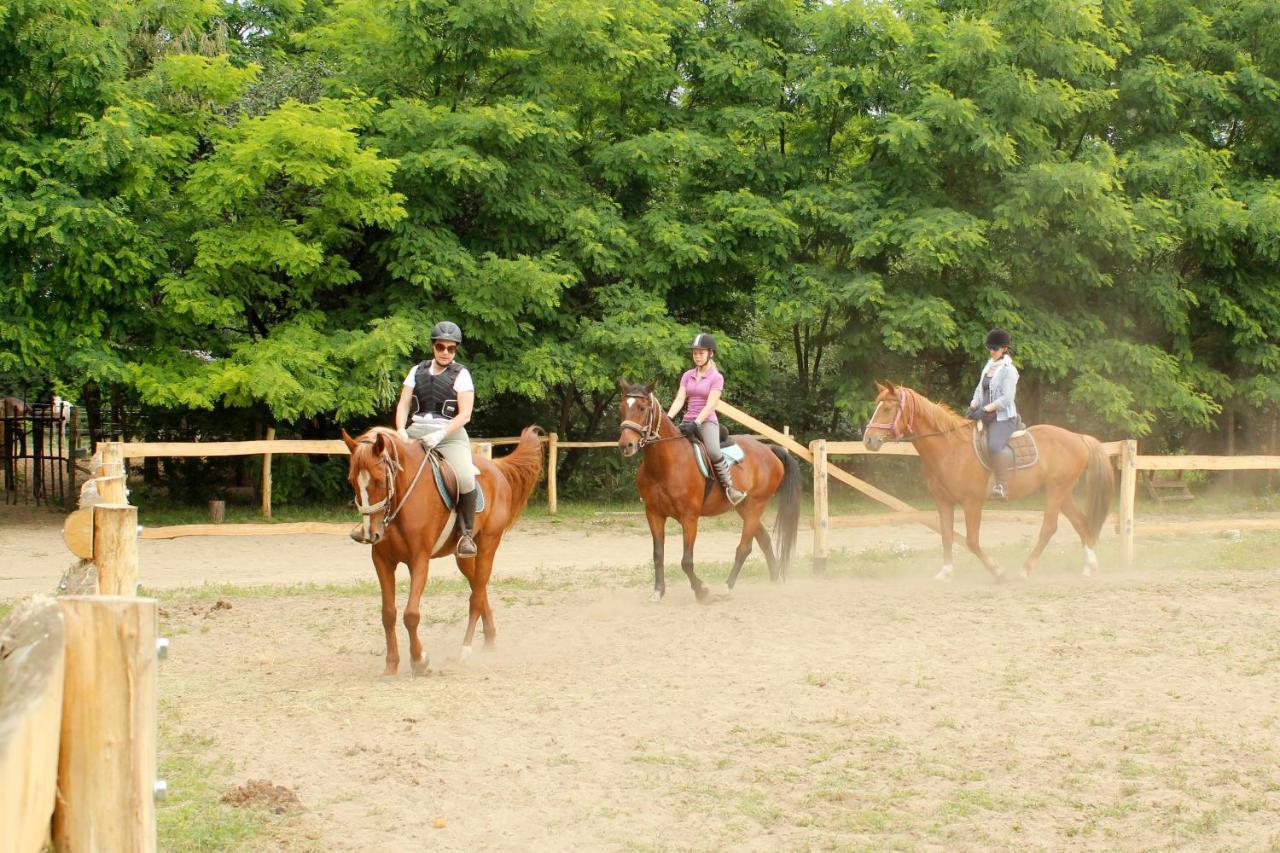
(1025, 454)
(732, 453)
(437, 468)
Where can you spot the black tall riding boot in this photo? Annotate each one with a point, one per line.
(1002, 467)
(732, 492)
(466, 524)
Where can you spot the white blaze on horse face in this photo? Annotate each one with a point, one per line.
(631, 401)
(363, 481)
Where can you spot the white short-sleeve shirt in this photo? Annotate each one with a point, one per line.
(462, 382)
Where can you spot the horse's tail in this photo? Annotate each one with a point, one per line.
(787, 525)
(1100, 484)
(523, 468)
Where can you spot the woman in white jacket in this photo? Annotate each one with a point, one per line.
(993, 404)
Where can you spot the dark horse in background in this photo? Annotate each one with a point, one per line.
(954, 475)
(672, 486)
(406, 521)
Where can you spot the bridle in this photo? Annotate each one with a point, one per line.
(903, 425)
(648, 431)
(392, 466)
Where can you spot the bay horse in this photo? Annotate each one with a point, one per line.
(672, 486)
(944, 441)
(404, 520)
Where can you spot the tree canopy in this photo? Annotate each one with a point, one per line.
(216, 205)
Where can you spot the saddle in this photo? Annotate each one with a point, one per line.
(1023, 445)
(447, 482)
(729, 449)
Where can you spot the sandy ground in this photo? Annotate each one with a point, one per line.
(33, 554)
(1132, 712)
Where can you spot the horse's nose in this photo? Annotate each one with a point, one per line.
(628, 449)
(357, 534)
(871, 442)
(375, 537)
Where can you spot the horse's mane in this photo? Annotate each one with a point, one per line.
(940, 415)
(523, 468)
(367, 438)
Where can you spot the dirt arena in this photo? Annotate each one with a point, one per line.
(873, 708)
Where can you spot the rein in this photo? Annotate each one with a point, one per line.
(649, 431)
(903, 424)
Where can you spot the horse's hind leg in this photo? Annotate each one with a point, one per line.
(480, 605)
(690, 526)
(751, 528)
(386, 569)
(1048, 527)
(766, 545)
(1076, 517)
(413, 614)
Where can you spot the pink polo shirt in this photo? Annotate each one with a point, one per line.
(698, 389)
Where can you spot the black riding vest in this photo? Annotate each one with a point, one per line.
(435, 394)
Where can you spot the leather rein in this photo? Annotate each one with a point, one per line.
(391, 464)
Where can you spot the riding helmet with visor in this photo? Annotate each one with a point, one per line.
(446, 331)
(997, 338)
(704, 341)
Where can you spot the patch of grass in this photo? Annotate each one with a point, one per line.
(6, 607)
(193, 816)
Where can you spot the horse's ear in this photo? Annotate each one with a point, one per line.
(888, 386)
(880, 387)
(653, 383)
(350, 442)
(623, 384)
(379, 445)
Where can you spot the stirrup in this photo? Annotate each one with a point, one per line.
(466, 545)
(999, 492)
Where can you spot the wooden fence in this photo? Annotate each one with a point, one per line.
(78, 678)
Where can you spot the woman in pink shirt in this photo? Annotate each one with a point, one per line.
(700, 386)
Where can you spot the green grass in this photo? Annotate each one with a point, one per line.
(193, 816)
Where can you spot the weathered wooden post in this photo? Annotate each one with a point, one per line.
(818, 447)
(553, 450)
(32, 661)
(107, 762)
(266, 476)
(1128, 492)
(115, 548)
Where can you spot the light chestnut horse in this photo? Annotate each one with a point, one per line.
(405, 521)
(954, 475)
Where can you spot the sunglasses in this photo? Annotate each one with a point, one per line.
(995, 349)
(445, 348)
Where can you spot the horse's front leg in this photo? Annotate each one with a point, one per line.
(386, 569)
(413, 613)
(972, 525)
(947, 527)
(657, 530)
(690, 526)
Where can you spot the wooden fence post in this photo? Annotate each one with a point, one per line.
(266, 476)
(1128, 491)
(552, 450)
(485, 449)
(30, 722)
(821, 518)
(115, 548)
(107, 765)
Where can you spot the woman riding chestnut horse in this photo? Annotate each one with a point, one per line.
(672, 486)
(954, 475)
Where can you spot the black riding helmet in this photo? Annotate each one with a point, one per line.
(704, 341)
(446, 331)
(997, 338)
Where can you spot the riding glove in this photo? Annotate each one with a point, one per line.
(430, 440)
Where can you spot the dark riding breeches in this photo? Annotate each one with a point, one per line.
(998, 434)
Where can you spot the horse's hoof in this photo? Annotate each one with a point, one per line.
(944, 574)
(464, 653)
(1087, 572)
(655, 596)
(421, 668)
(728, 589)
(387, 677)
(703, 594)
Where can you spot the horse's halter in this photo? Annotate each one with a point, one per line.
(648, 431)
(902, 427)
(391, 464)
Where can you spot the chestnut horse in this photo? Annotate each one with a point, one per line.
(953, 474)
(672, 486)
(404, 520)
